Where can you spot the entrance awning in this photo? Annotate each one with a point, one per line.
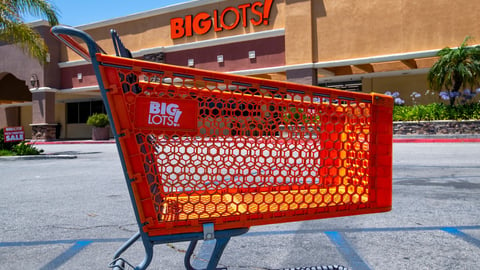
(13, 90)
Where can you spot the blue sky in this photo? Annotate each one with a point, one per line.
(77, 13)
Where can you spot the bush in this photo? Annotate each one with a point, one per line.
(17, 149)
(5, 145)
(4, 152)
(98, 120)
(23, 149)
(437, 111)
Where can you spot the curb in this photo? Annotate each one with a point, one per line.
(440, 138)
(37, 157)
(72, 142)
(436, 140)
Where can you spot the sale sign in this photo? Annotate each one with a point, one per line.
(256, 13)
(13, 134)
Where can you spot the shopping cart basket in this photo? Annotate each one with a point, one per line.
(207, 155)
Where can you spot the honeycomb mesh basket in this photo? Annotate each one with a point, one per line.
(238, 151)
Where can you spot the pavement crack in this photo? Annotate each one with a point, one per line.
(172, 246)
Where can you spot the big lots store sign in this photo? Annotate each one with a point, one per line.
(256, 13)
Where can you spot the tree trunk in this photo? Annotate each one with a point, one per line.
(456, 87)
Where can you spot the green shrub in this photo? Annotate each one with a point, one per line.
(23, 149)
(98, 120)
(437, 111)
(5, 145)
(15, 148)
(4, 152)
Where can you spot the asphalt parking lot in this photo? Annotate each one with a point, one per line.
(74, 214)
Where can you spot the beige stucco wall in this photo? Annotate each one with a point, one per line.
(60, 117)
(363, 28)
(299, 41)
(78, 131)
(26, 120)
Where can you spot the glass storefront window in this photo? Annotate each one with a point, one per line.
(78, 112)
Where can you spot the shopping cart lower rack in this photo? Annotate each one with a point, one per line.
(207, 155)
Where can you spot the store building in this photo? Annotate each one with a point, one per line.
(363, 45)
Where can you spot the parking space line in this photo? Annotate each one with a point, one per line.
(466, 237)
(347, 251)
(337, 237)
(67, 255)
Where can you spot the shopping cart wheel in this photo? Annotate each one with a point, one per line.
(324, 267)
(120, 264)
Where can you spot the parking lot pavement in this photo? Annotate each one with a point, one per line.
(74, 213)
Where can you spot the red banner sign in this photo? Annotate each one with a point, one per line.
(13, 134)
(256, 13)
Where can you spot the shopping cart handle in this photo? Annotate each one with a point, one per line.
(66, 33)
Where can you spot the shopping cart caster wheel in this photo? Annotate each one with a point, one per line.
(118, 264)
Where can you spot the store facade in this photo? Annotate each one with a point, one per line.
(364, 45)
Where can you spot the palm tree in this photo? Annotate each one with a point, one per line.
(455, 69)
(13, 30)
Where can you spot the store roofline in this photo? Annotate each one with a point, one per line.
(150, 13)
(353, 77)
(38, 23)
(15, 104)
(80, 89)
(376, 59)
(137, 16)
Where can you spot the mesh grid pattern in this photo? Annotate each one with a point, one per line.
(240, 151)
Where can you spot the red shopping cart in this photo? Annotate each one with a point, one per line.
(207, 155)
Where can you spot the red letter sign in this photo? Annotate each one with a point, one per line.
(228, 19)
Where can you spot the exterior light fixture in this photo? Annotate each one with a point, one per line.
(191, 62)
(251, 55)
(34, 81)
(220, 58)
(79, 76)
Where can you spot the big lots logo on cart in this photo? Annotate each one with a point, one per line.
(166, 114)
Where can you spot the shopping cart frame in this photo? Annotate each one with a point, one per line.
(92, 53)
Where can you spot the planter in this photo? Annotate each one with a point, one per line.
(100, 133)
(467, 127)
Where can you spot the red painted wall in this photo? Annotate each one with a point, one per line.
(70, 80)
(270, 52)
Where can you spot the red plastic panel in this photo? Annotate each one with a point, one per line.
(238, 151)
